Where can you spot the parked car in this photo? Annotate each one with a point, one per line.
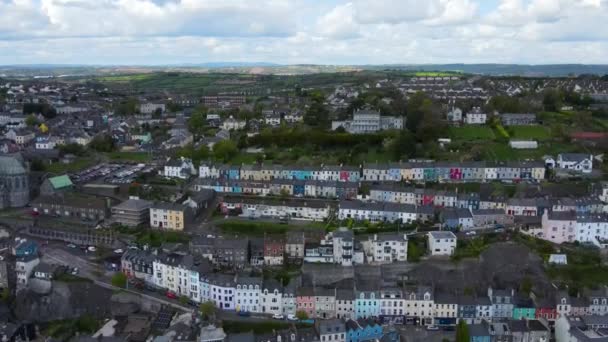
(71, 245)
(171, 295)
(278, 316)
(75, 271)
(91, 249)
(432, 327)
(118, 251)
(244, 313)
(291, 317)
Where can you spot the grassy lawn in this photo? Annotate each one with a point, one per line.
(256, 228)
(65, 329)
(140, 157)
(245, 158)
(472, 133)
(584, 270)
(538, 133)
(78, 165)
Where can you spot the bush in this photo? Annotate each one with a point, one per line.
(119, 280)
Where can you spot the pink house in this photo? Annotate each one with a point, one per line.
(305, 301)
(559, 226)
(455, 173)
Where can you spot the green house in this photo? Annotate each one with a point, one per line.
(524, 308)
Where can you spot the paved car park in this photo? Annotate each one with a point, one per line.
(111, 173)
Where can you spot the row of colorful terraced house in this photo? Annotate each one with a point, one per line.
(276, 187)
(428, 171)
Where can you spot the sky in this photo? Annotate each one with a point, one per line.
(161, 32)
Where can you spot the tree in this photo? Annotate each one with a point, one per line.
(31, 121)
(5, 295)
(403, 146)
(128, 106)
(39, 108)
(552, 100)
(301, 315)
(414, 110)
(462, 332)
(225, 150)
(525, 286)
(119, 279)
(72, 148)
(207, 309)
(102, 143)
(174, 107)
(196, 124)
(184, 300)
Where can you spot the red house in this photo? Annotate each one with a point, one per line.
(274, 250)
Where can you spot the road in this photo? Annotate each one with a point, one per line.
(411, 333)
(59, 253)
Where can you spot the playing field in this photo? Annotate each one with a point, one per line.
(472, 133)
(530, 132)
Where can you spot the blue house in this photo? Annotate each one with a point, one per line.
(362, 330)
(479, 332)
(299, 188)
(367, 304)
(394, 172)
(467, 308)
(470, 200)
(25, 248)
(234, 173)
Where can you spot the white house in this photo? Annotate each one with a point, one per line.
(181, 168)
(149, 108)
(272, 119)
(271, 297)
(248, 293)
(575, 161)
(231, 124)
(222, 290)
(454, 115)
(208, 171)
(176, 273)
(343, 242)
(294, 117)
(46, 143)
(386, 248)
(476, 117)
(592, 228)
(24, 267)
(442, 242)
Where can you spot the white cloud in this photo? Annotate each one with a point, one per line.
(302, 31)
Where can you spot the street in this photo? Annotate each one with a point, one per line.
(411, 333)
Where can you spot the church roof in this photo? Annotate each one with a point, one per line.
(10, 166)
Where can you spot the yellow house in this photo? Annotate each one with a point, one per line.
(407, 173)
(171, 216)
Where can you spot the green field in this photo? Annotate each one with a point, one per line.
(78, 165)
(472, 133)
(538, 133)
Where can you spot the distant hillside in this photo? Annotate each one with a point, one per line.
(263, 68)
(553, 70)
